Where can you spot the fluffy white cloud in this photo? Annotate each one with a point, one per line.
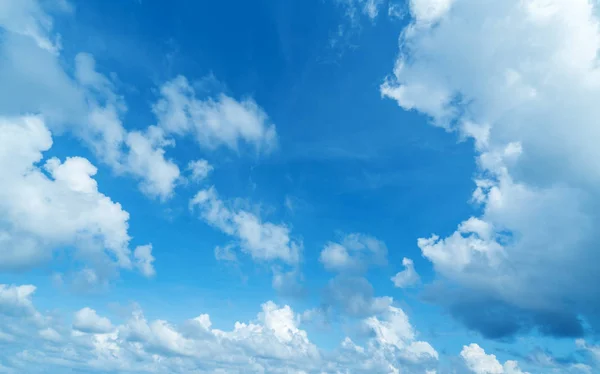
(88, 321)
(16, 300)
(355, 252)
(199, 170)
(481, 363)
(144, 259)
(392, 349)
(519, 79)
(86, 104)
(406, 277)
(137, 153)
(264, 241)
(272, 343)
(427, 12)
(58, 205)
(223, 121)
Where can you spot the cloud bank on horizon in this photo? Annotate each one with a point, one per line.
(111, 194)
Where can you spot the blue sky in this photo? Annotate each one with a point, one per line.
(320, 186)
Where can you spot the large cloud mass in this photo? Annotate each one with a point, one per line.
(273, 342)
(521, 79)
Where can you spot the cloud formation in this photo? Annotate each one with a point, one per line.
(55, 206)
(213, 122)
(264, 241)
(519, 80)
(272, 343)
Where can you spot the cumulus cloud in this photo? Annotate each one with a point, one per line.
(264, 241)
(88, 321)
(406, 277)
(353, 296)
(273, 342)
(57, 205)
(144, 260)
(199, 170)
(355, 252)
(86, 103)
(519, 80)
(213, 122)
(393, 348)
(481, 363)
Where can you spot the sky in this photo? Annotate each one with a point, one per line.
(283, 186)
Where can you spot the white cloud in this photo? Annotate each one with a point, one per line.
(520, 79)
(223, 121)
(429, 11)
(146, 158)
(225, 253)
(406, 277)
(594, 350)
(392, 349)
(144, 259)
(481, 363)
(273, 342)
(355, 252)
(58, 205)
(264, 241)
(371, 8)
(88, 321)
(200, 169)
(16, 300)
(26, 17)
(34, 81)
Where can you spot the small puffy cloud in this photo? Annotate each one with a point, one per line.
(406, 277)
(50, 334)
(355, 252)
(144, 259)
(146, 158)
(478, 362)
(264, 241)
(354, 296)
(88, 321)
(214, 122)
(225, 253)
(199, 170)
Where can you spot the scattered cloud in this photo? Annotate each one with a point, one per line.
(271, 343)
(407, 277)
(481, 363)
(199, 169)
(213, 122)
(88, 321)
(85, 104)
(54, 206)
(263, 241)
(355, 253)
